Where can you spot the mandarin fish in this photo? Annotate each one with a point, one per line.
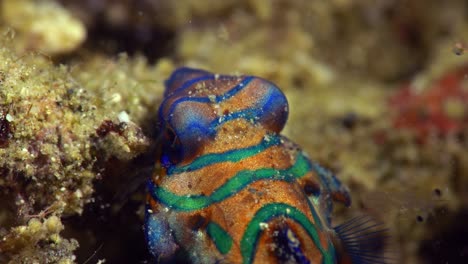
(228, 188)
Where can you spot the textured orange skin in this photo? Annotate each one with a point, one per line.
(234, 214)
(230, 186)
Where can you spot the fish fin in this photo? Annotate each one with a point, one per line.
(363, 240)
(161, 242)
(339, 192)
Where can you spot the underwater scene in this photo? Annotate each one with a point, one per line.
(234, 131)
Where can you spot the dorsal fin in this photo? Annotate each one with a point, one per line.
(363, 240)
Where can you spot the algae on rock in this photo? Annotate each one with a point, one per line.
(52, 146)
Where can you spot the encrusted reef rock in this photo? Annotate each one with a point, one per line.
(43, 26)
(383, 40)
(39, 241)
(57, 133)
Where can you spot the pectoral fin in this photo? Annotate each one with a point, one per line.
(362, 240)
(159, 237)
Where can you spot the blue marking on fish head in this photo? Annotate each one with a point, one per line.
(182, 78)
(189, 119)
(185, 119)
(187, 128)
(272, 108)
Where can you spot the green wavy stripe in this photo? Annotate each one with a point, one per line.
(232, 156)
(253, 231)
(220, 237)
(229, 188)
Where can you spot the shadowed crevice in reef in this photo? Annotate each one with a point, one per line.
(152, 41)
(449, 243)
(111, 227)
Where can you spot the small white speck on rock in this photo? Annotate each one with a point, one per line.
(123, 117)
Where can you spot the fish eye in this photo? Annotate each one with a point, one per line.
(171, 137)
(172, 144)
